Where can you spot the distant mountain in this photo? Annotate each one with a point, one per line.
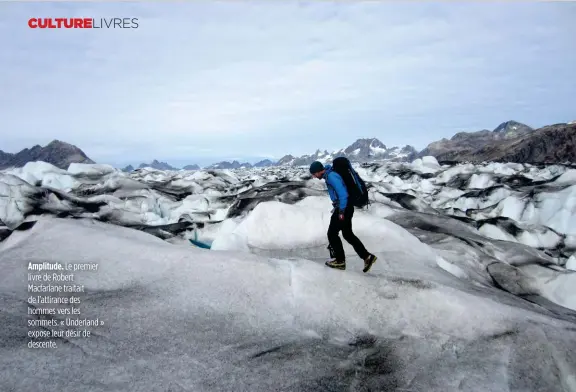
(160, 166)
(286, 160)
(289, 160)
(550, 144)
(57, 153)
(157, 165)
(230, 165)
(509, 142)
(362, 150)
(463, 145)
(264, 163)
(5, 157)
(510, 130)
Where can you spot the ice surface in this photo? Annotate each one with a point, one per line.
(557, 210)
(496, 233)
(427, 164)
(547, 239)
(90, 169)
(14, 196)
(568, 177)
(45, 174)
(274, 228)
(558, 287)
(189, 319)
(474, 287)
(571, 263)
(481, 181)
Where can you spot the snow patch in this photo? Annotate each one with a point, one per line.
(571, 263)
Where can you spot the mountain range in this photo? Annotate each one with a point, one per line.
(510, 141)
(361, 150)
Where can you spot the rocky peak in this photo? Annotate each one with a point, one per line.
(509, 141)
(365, 146)
(157, 165)
(5, 157)
(460, 136)
(407, 149)
(230, 165)
(264, 163)
(57, 153)
(286, 160)
(511, 129)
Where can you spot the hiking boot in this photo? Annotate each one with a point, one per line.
(336, 264)
(368, 261)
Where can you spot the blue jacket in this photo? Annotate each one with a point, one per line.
(336, 187)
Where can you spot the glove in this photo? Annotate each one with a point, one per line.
(341, 215)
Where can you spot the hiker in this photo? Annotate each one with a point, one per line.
(341, 219)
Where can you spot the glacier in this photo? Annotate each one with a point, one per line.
(474, 288)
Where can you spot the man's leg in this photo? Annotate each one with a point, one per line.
(349, 235)
(351, 238)
(336, 243)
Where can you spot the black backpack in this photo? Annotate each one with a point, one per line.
(357, 191)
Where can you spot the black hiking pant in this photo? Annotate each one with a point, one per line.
(337, 225)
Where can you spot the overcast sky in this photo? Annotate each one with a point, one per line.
(206, 81)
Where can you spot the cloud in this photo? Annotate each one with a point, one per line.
(222, 78)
